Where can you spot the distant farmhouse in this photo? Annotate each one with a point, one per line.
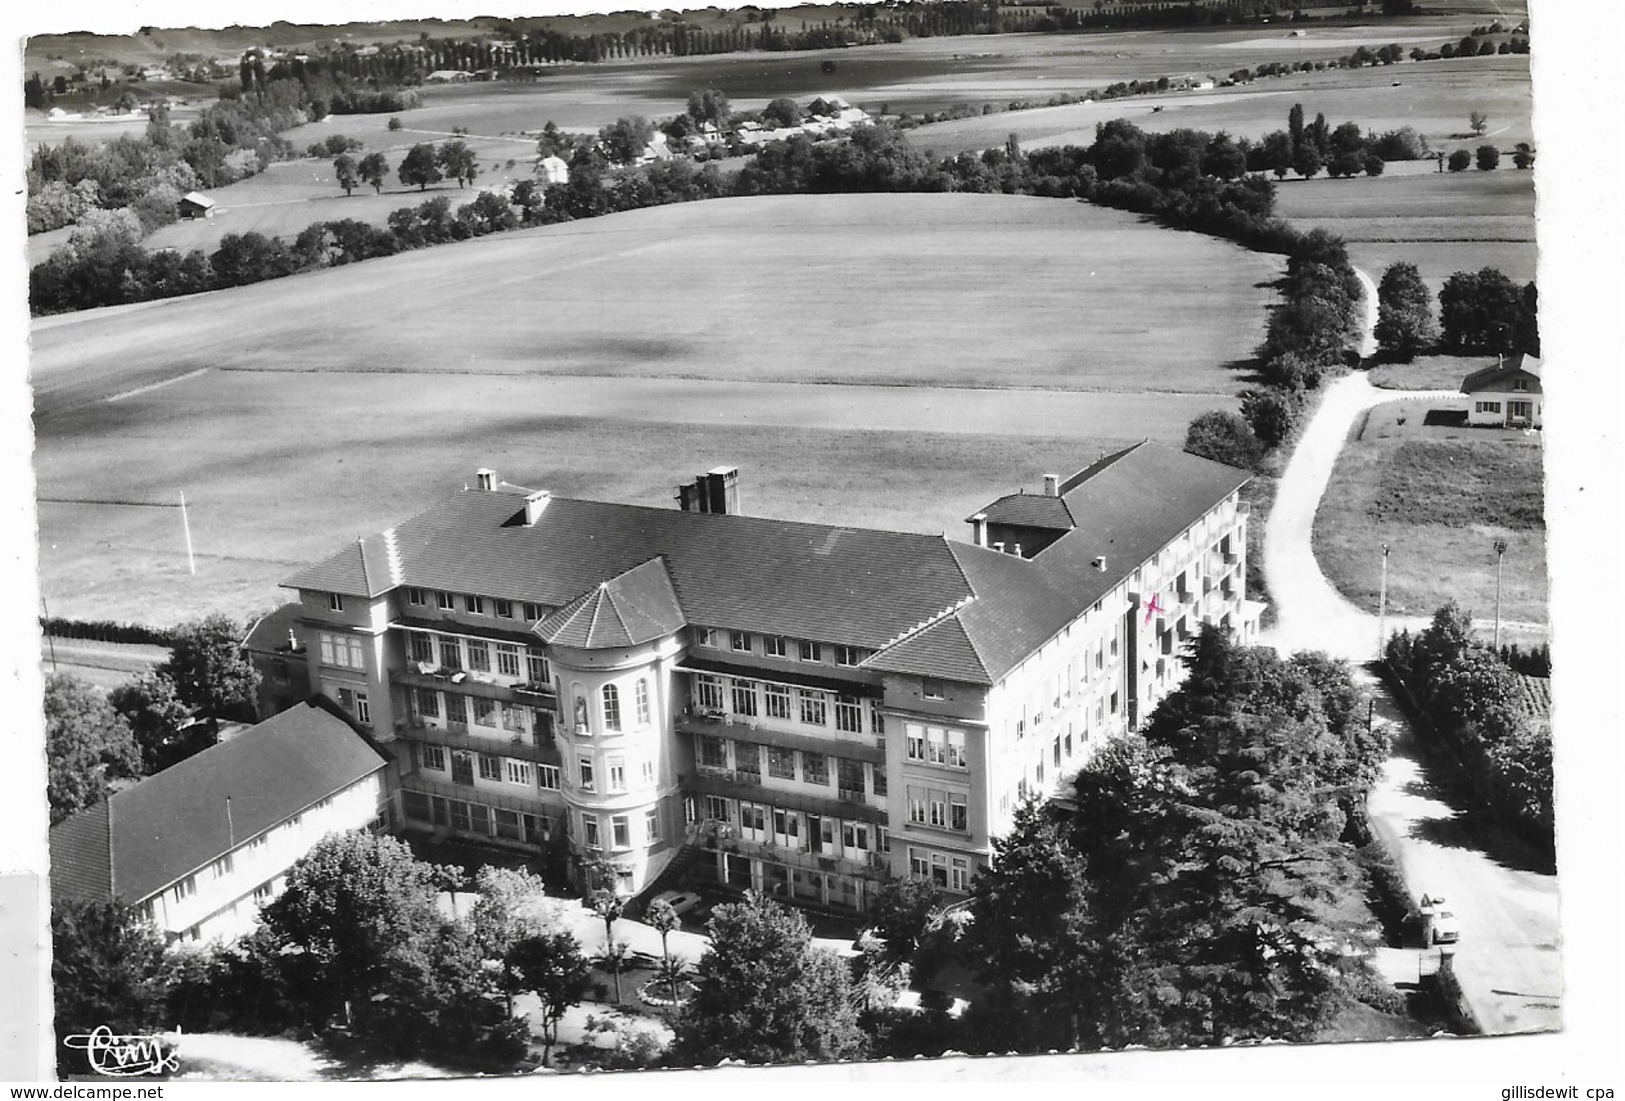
(198, 847)
(665, 695)
(1508, 394)
(195, 204)
(553, 170)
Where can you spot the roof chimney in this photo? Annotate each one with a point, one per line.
(1052, 485)
(978, 528)
(485, 478)
(717, 490)
(1016, 549)
(535, 504)
(1099, 563)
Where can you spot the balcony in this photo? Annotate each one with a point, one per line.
(858, 747)
(496, 743)
(713, 781)
(482, 685)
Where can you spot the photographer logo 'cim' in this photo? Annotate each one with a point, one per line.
(118, 1056)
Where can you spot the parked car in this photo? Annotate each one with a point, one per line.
(1439, 925)
(680, 901)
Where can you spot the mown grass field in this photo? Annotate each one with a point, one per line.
(1427, 372)
(1439, 497)
(821, 344)
(1442, 223)
(1433, 97)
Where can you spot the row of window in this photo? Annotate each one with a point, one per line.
(749, 699)
(614, 772)
(619, 830)
(479, 656)
(476, 818)
(782, 764)
(609, 699)
(949, 872)
(255, 846)
(943, 810)
(776, 646)
(935, 745)
(473, 604)
(462, 765)
(341, 651)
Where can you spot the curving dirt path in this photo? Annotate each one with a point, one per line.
(1311, 614)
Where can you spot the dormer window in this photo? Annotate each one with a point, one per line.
(932, 689)
(335, 602)
(1521, 385)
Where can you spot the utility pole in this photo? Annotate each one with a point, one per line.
(186, 525)
(1382, 607)
(49, 641)
(1500, 553)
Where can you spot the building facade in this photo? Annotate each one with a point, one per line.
(200, 846)
(795, 708)
(1507, 395)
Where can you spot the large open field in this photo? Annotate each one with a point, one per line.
(615, 358)
(1439, 498)
(1442, 223)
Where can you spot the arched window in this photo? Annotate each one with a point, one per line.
(642, 694)
(612, 707)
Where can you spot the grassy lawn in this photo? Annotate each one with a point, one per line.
(1439, 498)
(1457, 221)
(1427, 372)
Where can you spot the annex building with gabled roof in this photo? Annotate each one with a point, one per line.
(796, 708)
(198, 847)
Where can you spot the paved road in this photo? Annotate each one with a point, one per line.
(1508, 961)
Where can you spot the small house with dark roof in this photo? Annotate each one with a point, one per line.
(198, 847)
(1507, 395)
(195, 204)
(798, 709)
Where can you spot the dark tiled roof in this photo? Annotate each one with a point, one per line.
(638, 606)
(81, 860)
(1128, 505)
(1029, 510)
(851, 585)
(270, 634)
(1522, 362)
(174, 822)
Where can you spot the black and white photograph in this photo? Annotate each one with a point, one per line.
(813, 543)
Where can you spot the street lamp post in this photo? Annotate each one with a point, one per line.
(1382, 607)
(1500, 553)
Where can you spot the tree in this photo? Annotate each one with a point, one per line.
(1478, 120)
(457, 162)
(210, 672)
(1459, 160)
(419, 168)
(1481, 311)
(1307, 161)
(488, 213)
(1523, 156)
(1224, 437)
(87, 745)
(764, 994)
(663, 919)
(782, 112)
(625, 139)
(513, 906)
(349, 903)
(158, 720)
(609, 906)
(374, 169)
(709, 105)
(1487, 158)
(551, 967)
(900, 914)
(344, 167)
(107, 968)
(394, 123)
(1271, 414)
(1404, 313)
(554, 142)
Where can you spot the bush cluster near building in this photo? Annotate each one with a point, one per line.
(1472, 707)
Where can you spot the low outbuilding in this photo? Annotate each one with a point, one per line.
(1507, 395)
